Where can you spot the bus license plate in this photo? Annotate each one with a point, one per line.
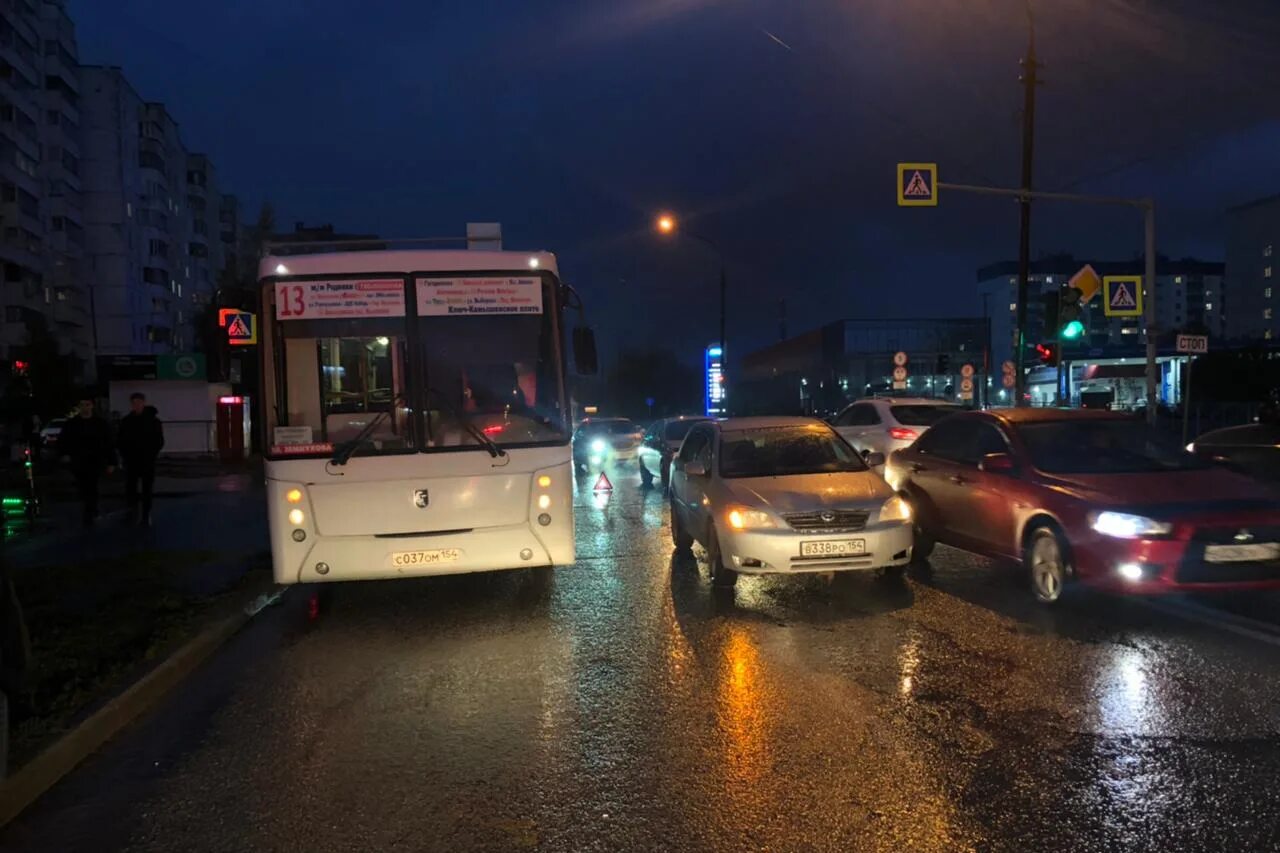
(837, 548)
(405, 559)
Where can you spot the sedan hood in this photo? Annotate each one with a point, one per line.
(1190, 489)
(802, 492)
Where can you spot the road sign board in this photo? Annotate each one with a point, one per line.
(1008, 368)
(966, 387)
(1009, 380)
(900, 386)
(1122, 295)
(1194, 344)
(917, 185)
(966, 370)
(1087, 282)
(899, 359)
(241, 326)
(899, 374)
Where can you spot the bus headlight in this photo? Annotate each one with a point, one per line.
(599, 446)
(297, 517)
(293, 496)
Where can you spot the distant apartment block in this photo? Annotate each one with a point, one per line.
(1253, 271)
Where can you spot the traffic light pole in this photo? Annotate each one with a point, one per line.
(1148, 208)
(1024, 217)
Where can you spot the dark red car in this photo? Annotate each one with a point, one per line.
(1088, 496)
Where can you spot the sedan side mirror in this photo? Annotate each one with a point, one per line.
(695, 469)
(874, 460)
(998, 463)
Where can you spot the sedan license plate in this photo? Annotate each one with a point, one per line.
(1253, 553)
(405, 559)
(835, 548)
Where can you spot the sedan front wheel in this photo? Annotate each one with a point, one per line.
(1046, 563)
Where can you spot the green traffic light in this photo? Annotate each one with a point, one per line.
(1073, 330)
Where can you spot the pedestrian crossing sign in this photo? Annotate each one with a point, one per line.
(1122, 295)
(917, 185)
(241, 326)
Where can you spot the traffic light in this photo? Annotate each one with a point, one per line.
(944, 365)
(1047, 354)
(1069, 325)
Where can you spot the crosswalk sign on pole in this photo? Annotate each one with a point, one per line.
(917, 185)
(1122, 295)
(241, 326)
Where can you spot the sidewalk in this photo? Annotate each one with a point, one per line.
(103, 605)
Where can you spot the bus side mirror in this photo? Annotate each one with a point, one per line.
(584, 351)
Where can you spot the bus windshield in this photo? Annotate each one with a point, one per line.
(469, 372)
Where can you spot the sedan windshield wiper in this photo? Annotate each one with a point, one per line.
(474, 431)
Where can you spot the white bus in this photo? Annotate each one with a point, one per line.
(416, 419)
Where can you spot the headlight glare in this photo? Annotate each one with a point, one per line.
(744, 518)
(1123, 525)
(599, 446)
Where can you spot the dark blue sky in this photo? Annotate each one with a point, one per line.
(572, 123)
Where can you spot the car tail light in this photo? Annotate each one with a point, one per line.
(903, 434)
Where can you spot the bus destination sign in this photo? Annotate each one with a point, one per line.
(343, 299)
(452, 297)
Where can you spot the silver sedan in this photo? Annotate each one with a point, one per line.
(784, 495)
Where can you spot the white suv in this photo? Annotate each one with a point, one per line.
(886, 424)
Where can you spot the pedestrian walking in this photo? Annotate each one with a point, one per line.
(15, 657)
(139, 439)
(85, 444)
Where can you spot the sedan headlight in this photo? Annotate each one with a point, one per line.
(1122, 525)
(895, 509)
(743, 518)
(599, 446)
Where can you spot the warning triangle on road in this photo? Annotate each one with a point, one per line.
(603, 484)
(238, 328)
(1122, 297)
(917, 186)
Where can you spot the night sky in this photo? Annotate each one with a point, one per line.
(772, 125)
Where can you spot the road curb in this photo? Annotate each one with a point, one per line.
(45, 770)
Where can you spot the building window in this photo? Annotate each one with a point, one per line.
(1177, 279)
(160, 248)
(1208, 306)
(1266, 313)
(1013, 306)
(1266, 252)
(1266, 272)
(1267, 293)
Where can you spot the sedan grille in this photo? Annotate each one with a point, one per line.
(829, 519)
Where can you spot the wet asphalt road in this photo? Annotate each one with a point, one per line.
(627, 707)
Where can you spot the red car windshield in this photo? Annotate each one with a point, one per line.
(1103, 447)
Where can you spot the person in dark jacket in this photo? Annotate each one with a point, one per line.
(139, 439)
(85, 444)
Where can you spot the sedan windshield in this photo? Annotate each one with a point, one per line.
(610, 427)
(783, 451)
(677, 430)
(1103, 447)
(921, 415)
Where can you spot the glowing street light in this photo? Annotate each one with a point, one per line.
(666, 224)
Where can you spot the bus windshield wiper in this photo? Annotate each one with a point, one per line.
(474, 431)
(345, 450)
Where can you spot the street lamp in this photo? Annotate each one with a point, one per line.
(666, 225)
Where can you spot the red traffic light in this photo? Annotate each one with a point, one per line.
(1047, 353)
(20, 366)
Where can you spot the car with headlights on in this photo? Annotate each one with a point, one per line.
(1089, 497)
(784, 496)
(661, 443)
(601, 441)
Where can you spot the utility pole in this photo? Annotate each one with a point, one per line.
(1029, 82)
